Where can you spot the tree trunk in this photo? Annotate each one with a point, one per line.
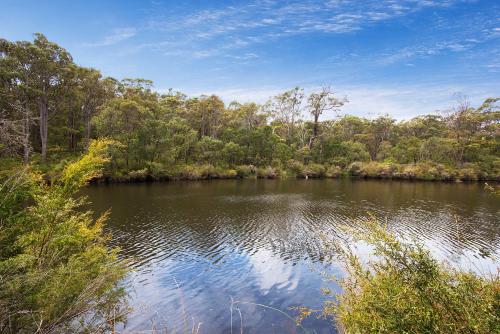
(315, 131)
(88, 125)
(315, 127)
(26, 137)
(44, 124)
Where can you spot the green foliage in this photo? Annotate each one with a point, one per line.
(267, 173)
(89, 166)
(375, 169)
(232, 153)
(209, 149)
(157, 135)
(283, 152)
(314, 171)
(56, 272)
(344, 153)
(405, 290)
(407, 150)
(245, 171)
(333, 171)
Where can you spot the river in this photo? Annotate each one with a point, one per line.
(206, 252)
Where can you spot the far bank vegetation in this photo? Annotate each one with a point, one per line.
(50, 109)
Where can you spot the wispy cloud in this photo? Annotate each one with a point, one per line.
(213, 32)
(292, 17)
(423, 51)
(117, 35)
(220, 39)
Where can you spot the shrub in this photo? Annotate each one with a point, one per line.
(156, 169)
(189, 173)
(495, 174)
(409, 172)
(296, 167)
(56, 273)
(355, 168)
(405, 290)
(377, 170)
(267, 173)
(333, 172)
(314, 171)
(208, 172)
(228, 174)
(245, 171)
(468, 173)
(138, 175)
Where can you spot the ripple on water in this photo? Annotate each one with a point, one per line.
(194, 246)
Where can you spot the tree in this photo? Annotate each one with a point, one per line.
(92, 93)
(209, 149)
(321, 102)
(438, 149)
(378, 130)
(232, 153)
(407, 150)
(468, 125)
(49, 63)
(286, 108)
(245, 116)
(16, 115)
(283, 152)
(122, 119)
(349, 128)
(206, 114)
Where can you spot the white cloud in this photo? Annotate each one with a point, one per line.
(204, 53)
(281, 18)
(271, 272)
(117, 35)
(209, 33)
(427, 50)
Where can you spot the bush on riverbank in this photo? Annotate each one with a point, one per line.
(424, 171)
(420, 171)
(405, 290)
(56, 273)
(368, 170)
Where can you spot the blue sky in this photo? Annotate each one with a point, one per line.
(404, 58)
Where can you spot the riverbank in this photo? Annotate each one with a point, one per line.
(423, 171)
(358, 170)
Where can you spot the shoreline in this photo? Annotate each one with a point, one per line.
(428, 172)
(421, 172)
(165, 179)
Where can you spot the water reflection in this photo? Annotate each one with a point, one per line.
(196, 245)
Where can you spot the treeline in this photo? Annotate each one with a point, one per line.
(50, 108)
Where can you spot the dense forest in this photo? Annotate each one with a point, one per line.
(50, 109)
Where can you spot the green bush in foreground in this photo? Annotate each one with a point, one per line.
(56, 273)
(405, 290)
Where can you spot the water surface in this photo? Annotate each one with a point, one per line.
(196, 246)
